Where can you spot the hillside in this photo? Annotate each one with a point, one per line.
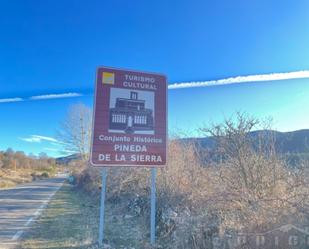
(292, 146)
(289, 142)
(67, 159)
(285, 142)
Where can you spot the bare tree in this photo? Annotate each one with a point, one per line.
(75, 131)
(254, 185)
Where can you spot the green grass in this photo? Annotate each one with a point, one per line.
(71, 221)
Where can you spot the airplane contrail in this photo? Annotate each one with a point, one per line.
(243, 79)
(55, 96)
(227, 81)
(8, 100)
(43, 97)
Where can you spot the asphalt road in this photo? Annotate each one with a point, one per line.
(20, 206)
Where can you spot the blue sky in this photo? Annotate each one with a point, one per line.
(54, 47)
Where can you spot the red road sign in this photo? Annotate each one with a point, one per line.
(129, 127)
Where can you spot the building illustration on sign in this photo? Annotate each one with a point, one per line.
(128, 112)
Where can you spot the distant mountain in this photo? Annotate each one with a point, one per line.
(68, 159)
(289, 142)
(285, 142)
(293, 146)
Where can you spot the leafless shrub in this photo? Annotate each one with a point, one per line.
(249, 188)
(254, 187)
(183, 177)
(120, 181)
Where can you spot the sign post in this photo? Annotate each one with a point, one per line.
(153, 207)
(102, 207)
(129, 126)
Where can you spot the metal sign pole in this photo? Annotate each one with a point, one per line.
(153, 207)
(102, 207)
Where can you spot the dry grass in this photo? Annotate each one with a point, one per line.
(71, 221)
(10, 178)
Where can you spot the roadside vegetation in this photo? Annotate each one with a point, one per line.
(240, 184)
(67, 222)
(71, 221)
(17, 168)
(206, 196)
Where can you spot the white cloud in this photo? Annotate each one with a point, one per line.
(51, 139)
(58, 143)
(243, 79)
(68, 151)
(51, 149)
(39, 139)
(7, 100)
(56, 96)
